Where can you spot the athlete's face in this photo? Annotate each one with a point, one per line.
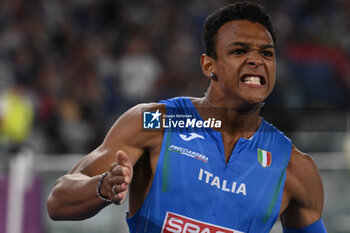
(245, 64)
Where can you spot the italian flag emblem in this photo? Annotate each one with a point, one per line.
(264, 158)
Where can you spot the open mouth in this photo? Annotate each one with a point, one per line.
(251, 79)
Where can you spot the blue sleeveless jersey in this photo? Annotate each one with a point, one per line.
(195, 190)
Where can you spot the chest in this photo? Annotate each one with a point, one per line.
(200, 165)
(194, 179)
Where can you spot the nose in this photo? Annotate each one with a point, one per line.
(254, 59)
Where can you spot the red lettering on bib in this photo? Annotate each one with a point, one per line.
(175, 223)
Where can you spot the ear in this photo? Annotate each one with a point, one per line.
(208, 65)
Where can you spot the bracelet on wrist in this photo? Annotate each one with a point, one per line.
(100, 180)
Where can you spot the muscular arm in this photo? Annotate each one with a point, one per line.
(74, 194)
(303, 192)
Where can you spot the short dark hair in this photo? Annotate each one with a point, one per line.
(237, 11)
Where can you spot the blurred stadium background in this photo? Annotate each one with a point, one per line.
(68, 69)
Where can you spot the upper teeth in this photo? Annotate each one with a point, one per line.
(252, 80)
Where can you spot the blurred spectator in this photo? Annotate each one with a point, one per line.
(138, 71)
(74, 131)
(16, 117)
(322, 73)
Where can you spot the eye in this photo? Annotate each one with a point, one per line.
(267, 53)
(237, 51)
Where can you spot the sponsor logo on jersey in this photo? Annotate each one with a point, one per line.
(151, 120)
(264, 158)
(222, 184)
(175, 223)
(191, 136)
(188, 152)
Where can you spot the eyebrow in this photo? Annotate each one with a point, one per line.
(246, 45)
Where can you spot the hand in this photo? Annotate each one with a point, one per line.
(120, 176)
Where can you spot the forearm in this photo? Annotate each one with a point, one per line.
(74, 198)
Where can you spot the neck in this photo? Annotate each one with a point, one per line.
(242, 122)
(246, 109)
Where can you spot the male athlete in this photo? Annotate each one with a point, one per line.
(223, 169)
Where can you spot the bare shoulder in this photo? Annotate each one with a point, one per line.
(302, 166)
(304, 190)
(126, 134)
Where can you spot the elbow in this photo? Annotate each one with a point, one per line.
(55, 204)
(52, 208)
(53, 216)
